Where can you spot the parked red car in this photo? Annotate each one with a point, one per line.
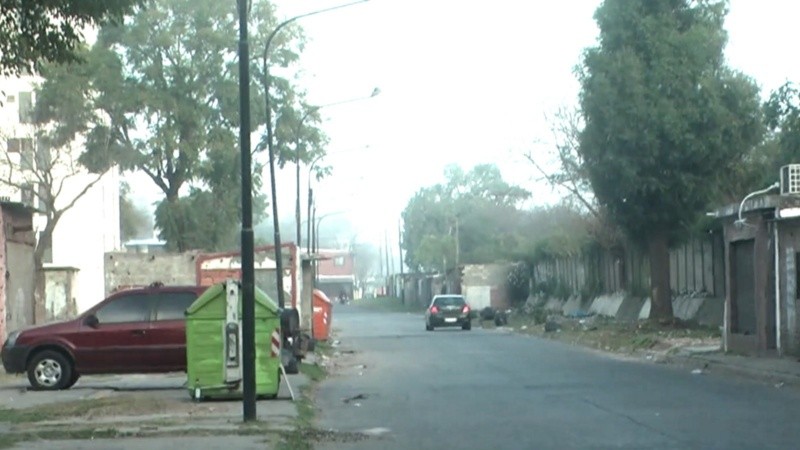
(139, 330)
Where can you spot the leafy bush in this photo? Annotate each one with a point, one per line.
(519, 283)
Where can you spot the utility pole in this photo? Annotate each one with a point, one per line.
(458, 245)
(380, 260)
(400, 255)
(247, 243)
(386, 246)
(400, 245)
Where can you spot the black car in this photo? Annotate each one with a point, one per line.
(448, 311)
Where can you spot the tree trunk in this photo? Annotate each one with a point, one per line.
(43, 242)
(661, 295)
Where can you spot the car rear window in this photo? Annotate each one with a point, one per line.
(449, 301)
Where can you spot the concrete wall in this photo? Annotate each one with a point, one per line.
(703, 310)
(485, 285)
(140, 269)
(60, 289)
(17, 269)
(19, 285)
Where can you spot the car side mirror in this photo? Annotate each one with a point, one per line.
(91, 321)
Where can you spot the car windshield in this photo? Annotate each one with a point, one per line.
(449, 301)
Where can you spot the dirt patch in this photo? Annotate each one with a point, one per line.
(608, 335)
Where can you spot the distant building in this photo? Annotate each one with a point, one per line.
(150, 245)
(336, 273)
(88, 229)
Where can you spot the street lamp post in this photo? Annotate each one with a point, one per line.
(311, 167)
(311, 110)
(247, 244)
(271, 147)
(247, 241)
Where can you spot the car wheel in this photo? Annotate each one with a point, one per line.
(467, 326)
(428, 327)
(49, 370)
(73, 380)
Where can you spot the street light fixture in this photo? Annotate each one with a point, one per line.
(312, 109)
(311, 167)
(271, 146)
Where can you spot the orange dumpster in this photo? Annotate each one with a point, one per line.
(322, 316)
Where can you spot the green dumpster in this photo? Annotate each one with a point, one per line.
(214, 344)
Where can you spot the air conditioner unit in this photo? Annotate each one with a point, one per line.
(790, 179)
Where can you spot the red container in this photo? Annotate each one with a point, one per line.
(322, 316)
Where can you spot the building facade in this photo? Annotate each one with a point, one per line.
(91, 226)
(336, 275)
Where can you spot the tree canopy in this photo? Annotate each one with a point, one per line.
(34, 32)
(468, 218)
(664, 118)
(161, 92)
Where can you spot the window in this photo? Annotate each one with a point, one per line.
(18, 145)
(43, 155)
(42, 195)
(26, 194)
(130, 308)
(338, 261)
(23, 146)
(26, 107)
(449, 301)
(172, 305)
(11, 98)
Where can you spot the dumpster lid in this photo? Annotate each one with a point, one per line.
(219, 289)
(321, 295)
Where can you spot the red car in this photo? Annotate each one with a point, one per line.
(132, 331)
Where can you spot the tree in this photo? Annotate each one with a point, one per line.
(566, 126)
(664, 117)
(165, 83)
(33, 33)
(469, 218)
(134, 221)
(782, 112)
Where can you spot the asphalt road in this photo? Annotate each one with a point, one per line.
(490, 389)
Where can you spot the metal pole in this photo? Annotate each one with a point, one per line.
(248, 271)
(309, 246)
(271, 147)
(297, 205)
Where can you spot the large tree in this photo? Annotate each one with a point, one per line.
(664, 117)
(164, 90)
(34, 32)
(135, 222)
(468, 218)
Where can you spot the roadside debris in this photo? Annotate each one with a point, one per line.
(551, 326)
(349, 400)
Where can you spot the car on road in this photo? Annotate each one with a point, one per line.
(448, 311)
(139, 330)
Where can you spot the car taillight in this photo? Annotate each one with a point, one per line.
(434, 310)
(465, 309)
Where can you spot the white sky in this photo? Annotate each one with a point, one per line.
(467, 82)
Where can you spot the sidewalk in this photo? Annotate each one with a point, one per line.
(774, 370)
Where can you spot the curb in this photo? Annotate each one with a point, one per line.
(713, 365)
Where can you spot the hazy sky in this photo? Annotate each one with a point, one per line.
(465, 82)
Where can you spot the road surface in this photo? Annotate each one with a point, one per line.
(491, 389)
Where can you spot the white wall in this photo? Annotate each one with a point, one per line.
(88, 229)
